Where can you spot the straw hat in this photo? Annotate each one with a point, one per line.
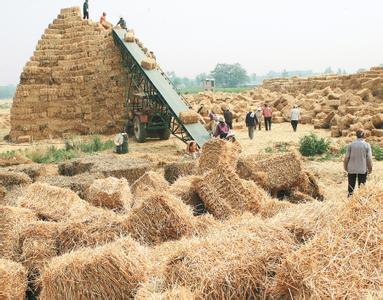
(221, 119)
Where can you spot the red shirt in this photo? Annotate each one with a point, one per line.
(267, 112)
(102, 19)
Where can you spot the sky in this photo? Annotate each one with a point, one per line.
(191, 37)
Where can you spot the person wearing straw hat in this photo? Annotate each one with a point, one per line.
(222, 129)
(295, 116)
(358, 161)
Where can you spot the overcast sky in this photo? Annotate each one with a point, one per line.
(191, 37)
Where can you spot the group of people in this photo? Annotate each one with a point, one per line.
(121, 23)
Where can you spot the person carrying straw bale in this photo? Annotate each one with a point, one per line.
(213, 121)
(358, 161)
(228, 115)
(295, 116)
(85, 9)
(122, 24)
(258, 114)
(222, 129)
(267, 114)
(251, 122)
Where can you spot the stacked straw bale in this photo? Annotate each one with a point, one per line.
(110, 193)
(12, 221)
(216, 152)
(34, 171)
(10, 179)
(344, 260)
(236, 261)
(13, 280)
(225, 194)
(57, 204)
(189, 117)
(148, 183)
(113, 271)
(160, 217)
(175, 170)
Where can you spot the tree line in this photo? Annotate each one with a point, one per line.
(7, 92)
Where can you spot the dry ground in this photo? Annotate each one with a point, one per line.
(331, 175)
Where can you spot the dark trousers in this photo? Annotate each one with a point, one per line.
(259, 125)
(223, 135)
(362, 178)
(86, 15)
(294, 124)
(230, 124)
(268, 123)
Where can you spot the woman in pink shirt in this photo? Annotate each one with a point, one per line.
(267, 115)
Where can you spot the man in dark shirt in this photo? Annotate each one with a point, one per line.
(228, 115)
(122, 23)
(251, 122)
(86, 10)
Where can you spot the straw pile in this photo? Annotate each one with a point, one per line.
(344, 260)
(13, 280)
(216, 152)
(176, 293)
(224, 194)
(160, 217)
(149, 63)
(110, 193)
(189, 117)
(3, 191)
(185, 189)
(175, 170)
(12, 221)
(32, 170)
(236, 261)
(113, 271)
(57, 204)
(9, 179)
(148, 183)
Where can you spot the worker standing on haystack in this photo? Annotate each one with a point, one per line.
(122, 24)
(85, 9)
(358, 161)
(258, 114)
(251, 122)
(222, 129)
(228, 115)
(267, 115)
(103, 21)
(295, 117)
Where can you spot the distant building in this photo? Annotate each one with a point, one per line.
(208, 84)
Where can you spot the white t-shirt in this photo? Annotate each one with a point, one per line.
(295, 114)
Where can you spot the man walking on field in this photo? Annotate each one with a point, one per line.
(358, 161)
(295, 116)
(251, 122)
(267, 115)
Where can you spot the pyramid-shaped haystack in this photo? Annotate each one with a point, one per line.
(73, 84)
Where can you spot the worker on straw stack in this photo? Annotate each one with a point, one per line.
(295, 116)
(251, 122)
(151, 55)
(267, 115)
(122, 24)
(358, 161)
(213, 121)
(228, 115)
(258, 114)
(222, 129)
(85, 9)
(103, 21)
(193, 149)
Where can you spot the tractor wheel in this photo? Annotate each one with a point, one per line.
(139, 130)
(164, 134)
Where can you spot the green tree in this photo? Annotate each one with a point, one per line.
(7, 92)
(200, 78)
(229, 75)
(328, 70)
(285, 73)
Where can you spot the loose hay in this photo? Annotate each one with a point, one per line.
(113, 271)
(344, 260)
(12, 221)
(160, 217)
(110, 193)
(175, 170)
(13, 280)
(189, 117)
(148, 183)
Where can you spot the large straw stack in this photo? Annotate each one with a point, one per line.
(13, 280)
(110, 193)
(160, 217)
(113, 271)
(12, 221)
(344, 260)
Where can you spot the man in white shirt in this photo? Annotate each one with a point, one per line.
(358, 161)
(295, 116)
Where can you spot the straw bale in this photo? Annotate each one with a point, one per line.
(13, 280)
(160, 217)
(129, 37)
(57, 204)
(9, 179)
(32, 170)
(216, 152)
(38, 244)
(185, 189)
(12, 221)
(203, 224)
(175, 293)
(189, 117)
(110, 193)
(236, 261)
(149, 182)
(75, 167)
(344, 260)
(148, 63)
(178, 169)
(112, 271)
